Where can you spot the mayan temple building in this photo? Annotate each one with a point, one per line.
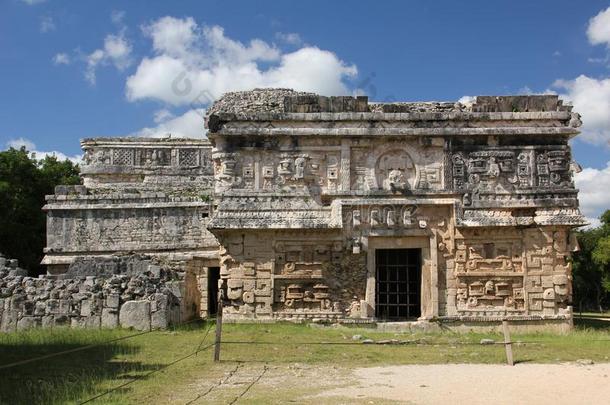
(305, 207)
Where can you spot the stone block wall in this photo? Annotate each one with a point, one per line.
(130, 292)
(293, 276)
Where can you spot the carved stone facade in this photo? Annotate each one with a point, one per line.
(309, 191)
(148, 196)
(336, 209)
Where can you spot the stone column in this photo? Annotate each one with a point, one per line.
(345, 164)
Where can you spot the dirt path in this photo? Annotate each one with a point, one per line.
(482, 384)
(261, 383)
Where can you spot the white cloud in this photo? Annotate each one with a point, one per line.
(47, 24)
(188, 125)
(116, 50)
(598, 30)
(172, 36)
(32, 2)
(117, 16)
(591, 98)
(163, 115)
(30, 146)
(467, 100)
(194, 65)
(61, 59)
(17, 143)
(593, 185)
(291, 38)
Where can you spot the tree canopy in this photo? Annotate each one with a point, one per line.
(592, 267)
(24, 182)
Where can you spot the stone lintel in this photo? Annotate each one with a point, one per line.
(375, 132)
(130, 142)
(403, 116)
(121, 205)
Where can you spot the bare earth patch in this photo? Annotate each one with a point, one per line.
(566, 383)
(481, 383)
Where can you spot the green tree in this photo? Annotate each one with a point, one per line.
(24, 182)
(592, 267)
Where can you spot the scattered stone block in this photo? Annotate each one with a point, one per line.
(135, 314)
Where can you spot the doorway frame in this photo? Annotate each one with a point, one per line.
(411, 268)
(429, 269)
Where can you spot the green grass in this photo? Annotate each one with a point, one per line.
(74, 377)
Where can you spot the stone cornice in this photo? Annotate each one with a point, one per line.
(399, 131)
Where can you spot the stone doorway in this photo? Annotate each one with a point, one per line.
(398, 284)
(213, 277)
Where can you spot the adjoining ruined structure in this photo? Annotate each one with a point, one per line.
(140, 196)
(337, 209)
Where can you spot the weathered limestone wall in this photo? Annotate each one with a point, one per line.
(511, 272)
(309, 187)
(291, 275)
(130, 292)
(152, 196)
(93, 224)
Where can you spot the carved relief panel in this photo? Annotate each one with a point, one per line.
(397, 167)
(383, 216)
(147, 157)
(498, 170)
(299, 280)
(315, 171)
(491, 294)
(154, 157)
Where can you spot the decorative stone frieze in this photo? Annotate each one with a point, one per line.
(314, 187)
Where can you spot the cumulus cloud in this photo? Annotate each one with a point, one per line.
(163, 115)
(61, 59)
(593, 185)
(188, 125)
(47, 24)
(291, 38)
(30, 146)
(467, 100)
(116, 51)
(194, 65)
(17, 143)
(598, 31)
(591, 98)
(32, 2)
(117, 16)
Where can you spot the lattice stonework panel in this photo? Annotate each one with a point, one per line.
(123, 157)
(188, 157)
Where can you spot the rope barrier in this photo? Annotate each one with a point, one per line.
(81, 348)
(199, 349)
(218, 384)
(257, 379)
(144, 375)
(204, 337)
(399, 343)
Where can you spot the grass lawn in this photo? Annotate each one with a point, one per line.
(75, 377)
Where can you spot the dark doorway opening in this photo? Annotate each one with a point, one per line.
(213, 277)
(398, 295)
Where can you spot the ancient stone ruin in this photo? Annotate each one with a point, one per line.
(334, 209)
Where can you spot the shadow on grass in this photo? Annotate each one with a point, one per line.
(591, 323)
(66, 377)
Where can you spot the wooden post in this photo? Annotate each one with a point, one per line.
(508, 344)
(218, 325)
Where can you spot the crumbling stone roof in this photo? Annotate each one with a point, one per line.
(280, 100)
(257, 100)
(403, 107)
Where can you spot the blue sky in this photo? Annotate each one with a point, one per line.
(74, 69)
